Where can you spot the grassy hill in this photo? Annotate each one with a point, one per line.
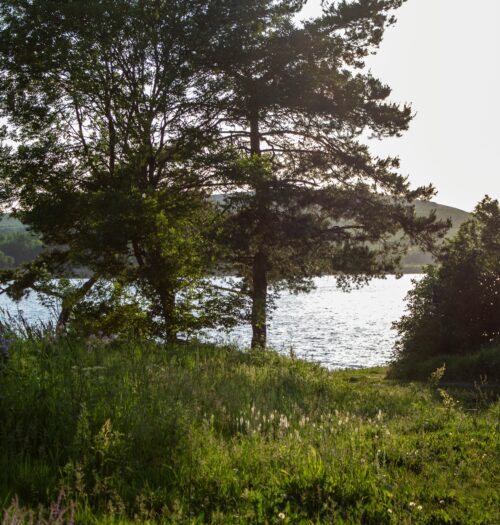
(416, 258)
(9, 224)
(17, 245)
(443, 212)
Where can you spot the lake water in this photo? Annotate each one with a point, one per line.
(328, 326)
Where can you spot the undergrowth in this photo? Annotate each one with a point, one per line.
(482, 366)
(138, 432)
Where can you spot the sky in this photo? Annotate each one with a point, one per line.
(443, 56)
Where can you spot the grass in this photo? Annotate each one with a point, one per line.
(481, 366)
(129, 432)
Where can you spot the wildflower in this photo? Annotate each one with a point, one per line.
(419, 507)
(4, 348)
(284, 424)
(91, 342)
(441, 501)
(389, 511)
(281, 516)
(412, 503)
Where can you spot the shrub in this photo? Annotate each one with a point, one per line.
(455, 308)
(483, 365)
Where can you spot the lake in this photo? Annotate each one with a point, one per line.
(328, 326)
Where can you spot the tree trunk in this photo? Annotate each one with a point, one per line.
(259, 265)
(259, 301)
(151, 263)
(167, 298)
(68, 303)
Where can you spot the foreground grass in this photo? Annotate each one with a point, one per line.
(197, 434)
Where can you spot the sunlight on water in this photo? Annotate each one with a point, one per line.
(328, 326)
(334, 328)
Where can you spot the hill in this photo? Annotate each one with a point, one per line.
(443, 212)
(416, 258)
(17, 244)
(9, 224)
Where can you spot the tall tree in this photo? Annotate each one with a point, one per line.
(103, 102)
(296, 103)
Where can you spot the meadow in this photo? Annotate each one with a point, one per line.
(103, 431)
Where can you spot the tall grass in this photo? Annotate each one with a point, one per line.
(137, 432)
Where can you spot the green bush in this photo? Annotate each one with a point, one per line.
(455, 309)
(480, 366)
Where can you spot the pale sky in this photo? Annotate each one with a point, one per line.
(443, 56)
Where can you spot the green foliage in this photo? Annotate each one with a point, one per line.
(212, 435)
(109, 161)
(437, 376)
(306, 195)
(455, 308)
(27, 246)
(116, 310)
(416, 258)
(110, 309)
(127, 114)
(481, 365)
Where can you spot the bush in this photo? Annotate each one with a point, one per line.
(455, 308)
(481, 366)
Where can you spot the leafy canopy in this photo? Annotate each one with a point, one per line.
(114, 150)
(128, 113)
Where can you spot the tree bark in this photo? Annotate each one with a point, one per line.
(68, 303)
(259, 264)
(167, 299)
(259, 301)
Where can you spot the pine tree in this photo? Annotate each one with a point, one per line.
(296, 103)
